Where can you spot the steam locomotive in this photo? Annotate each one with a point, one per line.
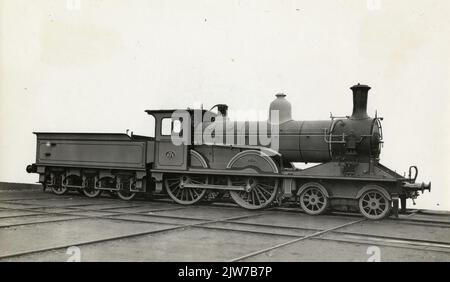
(254, 174)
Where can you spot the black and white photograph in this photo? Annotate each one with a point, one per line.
(233, 133)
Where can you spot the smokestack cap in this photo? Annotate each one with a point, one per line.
(360, 86)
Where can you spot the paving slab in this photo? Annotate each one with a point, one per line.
(399, 229)
(179, 245)
(92, 213)
(35, 219)
(332, 251)
(260, 228)
(209, 213)
(299, 220)
(10, 213)
(385, 241)
(57, 202)
(161, 219)
(53, 234)
(22, 195)
(145, 208)
(8, 205)
(53, 210)
(104, 205)
(430, 217)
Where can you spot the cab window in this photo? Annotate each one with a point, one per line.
(166, 126)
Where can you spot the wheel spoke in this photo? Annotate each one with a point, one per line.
(197, 181)
(374, 205)
(256, 197)
(313, 201)
(264, 190)
(261, 193)
(184, 195)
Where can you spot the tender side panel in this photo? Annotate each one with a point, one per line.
(92, 153)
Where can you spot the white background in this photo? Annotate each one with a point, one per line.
(96, 65)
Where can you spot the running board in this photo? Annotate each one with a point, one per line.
(214, 187)
(284, 174)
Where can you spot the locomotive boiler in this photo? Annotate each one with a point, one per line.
(354, 137)
(218, 157)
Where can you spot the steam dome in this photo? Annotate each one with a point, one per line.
(282, 105)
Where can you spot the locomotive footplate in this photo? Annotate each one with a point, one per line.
(288, 174)
(216, 187)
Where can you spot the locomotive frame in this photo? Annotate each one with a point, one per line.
(347, 149)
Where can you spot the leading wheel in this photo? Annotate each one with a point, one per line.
(374, 205)
(313, 201)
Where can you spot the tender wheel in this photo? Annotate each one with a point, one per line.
(313, 201)
(186, 196)
(126, 194)
(90, 191)
(259, 191)
(109, 183)
(374, 205)
(58, 188)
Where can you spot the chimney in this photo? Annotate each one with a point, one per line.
(360, 92)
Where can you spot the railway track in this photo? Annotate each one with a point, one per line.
(76, 208)
(81, 243)
(181, 218)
